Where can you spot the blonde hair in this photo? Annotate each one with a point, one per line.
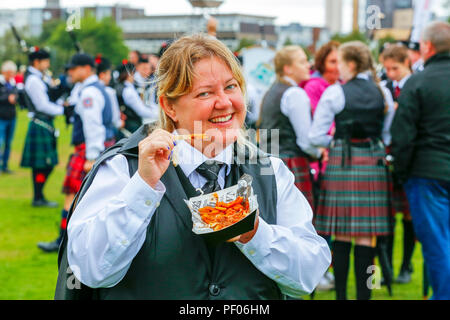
(284, 57)
(175, 73)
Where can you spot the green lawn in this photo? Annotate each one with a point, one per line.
(27, 273)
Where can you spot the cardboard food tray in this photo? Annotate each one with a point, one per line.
(226, 195)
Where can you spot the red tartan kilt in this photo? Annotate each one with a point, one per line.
(355, 198)
(75, 168)
(299, 166)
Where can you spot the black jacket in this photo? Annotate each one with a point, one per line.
(421, 126)
(7, 110)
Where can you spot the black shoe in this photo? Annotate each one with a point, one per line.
(403, 277)
(49, 246)
(44, 203)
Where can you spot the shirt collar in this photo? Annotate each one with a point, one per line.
(292, 82)
(91, 79)
(363, 75)
(402, 82)
(35, 71)
(190, 158)
(139, 79)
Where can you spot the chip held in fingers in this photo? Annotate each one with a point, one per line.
(193, 136)
(225, 214)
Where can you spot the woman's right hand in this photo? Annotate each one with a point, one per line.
(154, 156)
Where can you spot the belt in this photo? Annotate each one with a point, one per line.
(46, 126)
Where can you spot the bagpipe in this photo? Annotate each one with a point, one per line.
(58, 89)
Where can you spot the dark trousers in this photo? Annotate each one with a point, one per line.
(429, 200)
(6, 134)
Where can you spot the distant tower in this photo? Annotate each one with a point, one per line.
(206, 3)
(52, 4)
(205, 8)
(333, 18)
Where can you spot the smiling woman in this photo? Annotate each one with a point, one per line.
(130, 235)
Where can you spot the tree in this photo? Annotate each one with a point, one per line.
(244, 43)
(354, 36)
(103, 37)
(287, 42)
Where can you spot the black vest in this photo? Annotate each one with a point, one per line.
(173, 262)
(133, 120)
(77, 131)
(363, 114)
(273, 118)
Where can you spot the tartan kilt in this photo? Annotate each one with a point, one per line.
(299, 166)
(355, 199)
(40, 146)
(75, 168)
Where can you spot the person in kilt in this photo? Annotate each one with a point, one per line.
(398, 69)
(39, 152)
(93, 131)
(354, 201)
(286, 108)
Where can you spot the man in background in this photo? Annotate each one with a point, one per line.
(8, 99)
(421, 150)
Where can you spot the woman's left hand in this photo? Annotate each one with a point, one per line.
(246, 237)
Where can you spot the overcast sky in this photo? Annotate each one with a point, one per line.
(306, 12)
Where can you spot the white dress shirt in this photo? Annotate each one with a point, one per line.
(296, 106)
(37, 91)
(331, 103)
(90, 109)
(131, 98)
(386, 134)
(108, 226)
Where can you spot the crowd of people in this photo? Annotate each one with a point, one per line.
(356, 145)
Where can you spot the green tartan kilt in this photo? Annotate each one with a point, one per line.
(355, 196)
(40, 146)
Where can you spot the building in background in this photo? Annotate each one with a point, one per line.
(396, 19)
(305, 36)
(147, 33)
(31, 20)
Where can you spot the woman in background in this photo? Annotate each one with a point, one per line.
(354, 199)
(286, 107)
(326, 73)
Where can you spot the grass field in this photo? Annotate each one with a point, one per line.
(28, 273)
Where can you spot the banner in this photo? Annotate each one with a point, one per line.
(422, 16)
(259, 73)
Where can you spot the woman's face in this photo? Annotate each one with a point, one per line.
(298, 70)
(215, 105)
(396, 70)
(331, 73)
(346, 69)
